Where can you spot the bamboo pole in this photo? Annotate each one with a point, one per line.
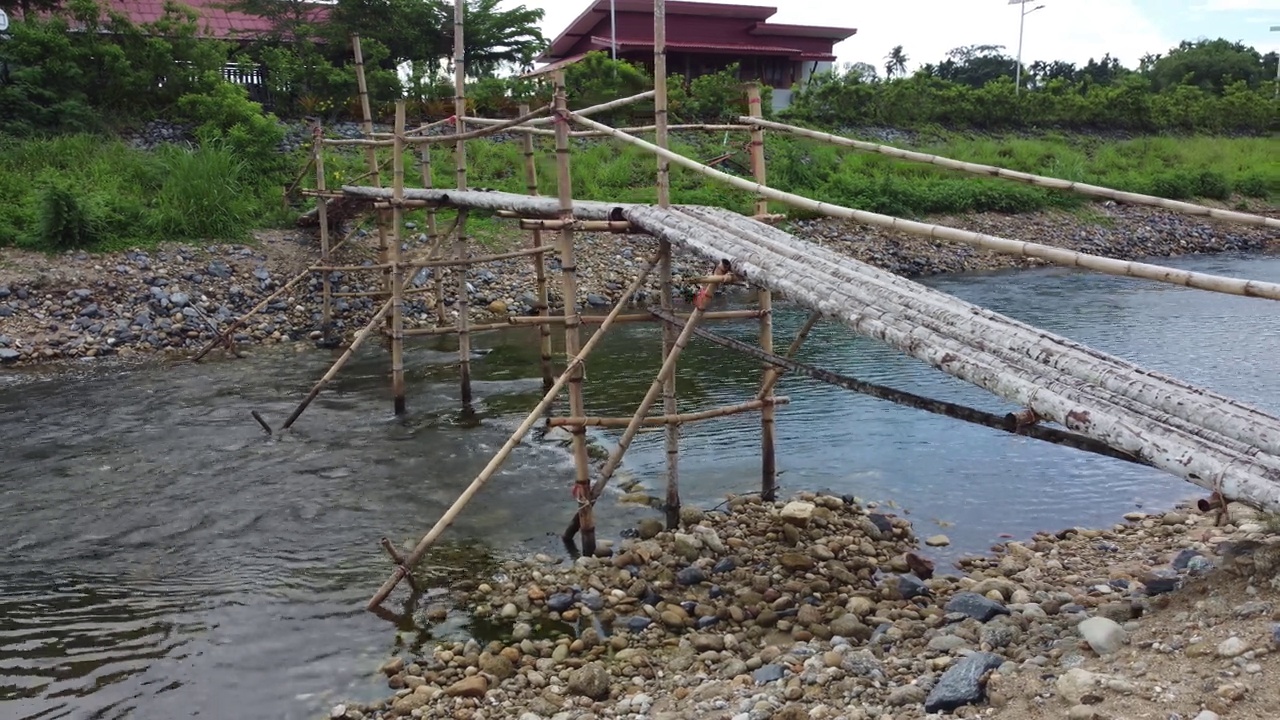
(477, 260)
(451, 329)
(536, 224)
(460, 157)
(575, 363)
(636, 317)
(768, 429)
(322, 215)
(494, 200)
(337, 365)
(670, 404)
(543, 310)
(1059, 256)
(773, 375)
(397, 277)
(371, 153)
(654, 421)
(637, 419)
(938, 407)
(569, 278)
(494, 129)
(433, 237)
(1028, 178)
(683, 127)
(585, 112)
(235, 324)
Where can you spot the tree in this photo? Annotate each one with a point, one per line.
(1208, 64)
(895, 62)
(974, 65)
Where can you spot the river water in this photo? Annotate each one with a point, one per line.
(163, 559)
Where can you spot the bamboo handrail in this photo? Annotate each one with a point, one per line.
(1029, 178)
(499, 457)
(1059, 256)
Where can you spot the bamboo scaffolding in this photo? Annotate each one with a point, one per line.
(451, 329)
(670, 403)
(773, 374)
(337, 365)
(575, 364)
(569, 279)
(460, 158)
(635, 317)
(322, 216)
(1028, 178)
(768, 429)
(493, 200)
(585, 112)
(1004, 423)
(537, 224)
(500, 126)
(637, 419)
(543, 310)
(684, 127)
(1237, 469)
(1059, 256)
(654, 421)
(480, 259)
(397, 274)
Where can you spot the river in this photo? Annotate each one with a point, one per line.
(164, 559)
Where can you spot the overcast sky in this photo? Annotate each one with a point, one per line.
(1073, 30)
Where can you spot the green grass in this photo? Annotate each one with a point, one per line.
(89, 192)
(84, 191)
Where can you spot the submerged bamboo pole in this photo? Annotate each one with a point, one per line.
(670, 404)
(397, 276)
(585, 516)
(1028, 178)
(654, 421)
(337, 365)
(1059, 256)
(768, 430)
(575, 364)
(322, 215)
(433, 237)
(460, 239)
(637, 419)
(543, 310)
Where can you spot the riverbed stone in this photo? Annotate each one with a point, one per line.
(976, 606)
(962, 683)
(1104, 635)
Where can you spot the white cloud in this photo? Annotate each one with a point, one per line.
(1072, 30)
(1228, 5)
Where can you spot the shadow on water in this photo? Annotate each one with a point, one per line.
(163, 558)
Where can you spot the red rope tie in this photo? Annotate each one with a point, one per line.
(753, 101)
(451, 119)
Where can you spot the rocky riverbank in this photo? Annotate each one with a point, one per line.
(822, 608)
(176, 298)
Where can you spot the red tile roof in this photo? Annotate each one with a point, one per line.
(215, 21)
(604, 42)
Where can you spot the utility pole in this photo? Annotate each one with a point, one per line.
(1022, 22)
(1276, 28)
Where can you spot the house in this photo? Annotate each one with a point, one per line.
(702, 38)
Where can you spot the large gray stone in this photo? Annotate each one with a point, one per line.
(975, 606)
(962, 684)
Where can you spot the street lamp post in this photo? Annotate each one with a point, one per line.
(1022, 22)
(1276, 28)
(613, 30)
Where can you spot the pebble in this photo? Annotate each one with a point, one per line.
(1104, 635)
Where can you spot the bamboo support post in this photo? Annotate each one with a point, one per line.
(543, 310)
(1037, 180)
(322, 215)
(460, 159)
(371, 153)
(670, 404)
(433, 236)
(1048, 253)
(337, 365)
(633, 426)
(768, 430)
(397, 276)
(575, 363)
(569, 278)
(654, 421)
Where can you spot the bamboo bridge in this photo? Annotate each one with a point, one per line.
(1070, 394)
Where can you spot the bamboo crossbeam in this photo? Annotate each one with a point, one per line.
(452, 330)
(654, 421)
(481, 259)
(1059, 256)
(1028, 178)
(356, 142)
(520, 205)
(633, 318)
(686, 127)
(585, 112)
(337, 365)
(901, 397)
(618, 226)
(575, 363)
(494, 129)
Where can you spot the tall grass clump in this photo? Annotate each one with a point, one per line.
(207, 192)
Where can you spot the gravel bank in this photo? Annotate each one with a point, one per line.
(820, 608)
(171, 299)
